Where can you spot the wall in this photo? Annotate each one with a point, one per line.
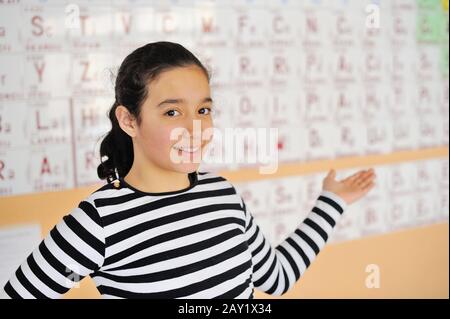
(346, 84)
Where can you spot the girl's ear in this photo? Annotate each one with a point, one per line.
(127, 122)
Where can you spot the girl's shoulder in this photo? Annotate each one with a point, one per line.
(211, 177)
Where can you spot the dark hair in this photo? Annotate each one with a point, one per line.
(131, 89)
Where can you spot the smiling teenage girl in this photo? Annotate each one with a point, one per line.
(162, 229)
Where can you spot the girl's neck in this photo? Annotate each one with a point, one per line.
(156, 180)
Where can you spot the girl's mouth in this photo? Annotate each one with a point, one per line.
(190, 150)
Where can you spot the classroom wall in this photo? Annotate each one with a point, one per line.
(348, 85)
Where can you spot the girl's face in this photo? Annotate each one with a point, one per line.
(179, 104)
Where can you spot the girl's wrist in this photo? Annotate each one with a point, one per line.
(335, 197)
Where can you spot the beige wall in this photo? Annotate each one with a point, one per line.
(413, 263)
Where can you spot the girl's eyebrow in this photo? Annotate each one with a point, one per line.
(178, 101)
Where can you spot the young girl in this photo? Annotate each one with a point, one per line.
(159, 228)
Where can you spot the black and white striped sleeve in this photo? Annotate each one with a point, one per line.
(73, 249)
(275, 270)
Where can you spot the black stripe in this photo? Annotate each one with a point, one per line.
(166, 220)
(250, 223)
(183, 291)
(102, 202)
(170, 236)
(253, 237)
(324, 215)
(84, 235)
(28, 285)
(12, 293)
(308, 240)
(258, 249)
(178, 271)
(91, 211)
(317, 228)
(66, 247)
(211, 180)
(261, 262)
(275, 284)
(49, 282)
(299, 250)
(244, 207)
(181, 251)
(267, 274)
(331, 203)
(286, 280)
(290, 260)
(164, 202)
(236, 291)
(117, 199)
(57, 265)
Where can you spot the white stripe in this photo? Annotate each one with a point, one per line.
(257, 259)
(182, 260)
(222, 287)
(106, 296)
(284, 263)
(80, 245)
(143, 200)
(20, 289)
(4, 295)
(298, 259)
(311, 233)
(167, 245)
(333, 213)
(319, 220)
(168, 210)
(108, 193)
(65, 259)
(258, 241)
(178, 282)
(163, 229)
(50, 271)
(307, 249)
(92, 227)
(37, 283)
(246, 294)
(273, 276)
(211, 187)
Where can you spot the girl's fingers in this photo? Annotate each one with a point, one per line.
(364, 178)
(353, 177)
(369, 186)
(365, 183)
(360, 174)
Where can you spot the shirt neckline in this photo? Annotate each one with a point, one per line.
(193, 179)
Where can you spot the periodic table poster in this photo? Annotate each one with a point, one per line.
(336, 78)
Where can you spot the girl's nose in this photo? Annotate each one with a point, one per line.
(193, 127)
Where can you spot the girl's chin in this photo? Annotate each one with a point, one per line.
(186, 168)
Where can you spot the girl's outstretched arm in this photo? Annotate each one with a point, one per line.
(275, 270)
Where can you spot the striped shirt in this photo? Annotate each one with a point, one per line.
(198, 242)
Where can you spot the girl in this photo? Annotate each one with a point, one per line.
(160, 228)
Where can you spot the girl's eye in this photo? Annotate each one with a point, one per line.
(205, 110)
(171, 113)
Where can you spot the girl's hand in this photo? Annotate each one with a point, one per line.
(351, 188)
